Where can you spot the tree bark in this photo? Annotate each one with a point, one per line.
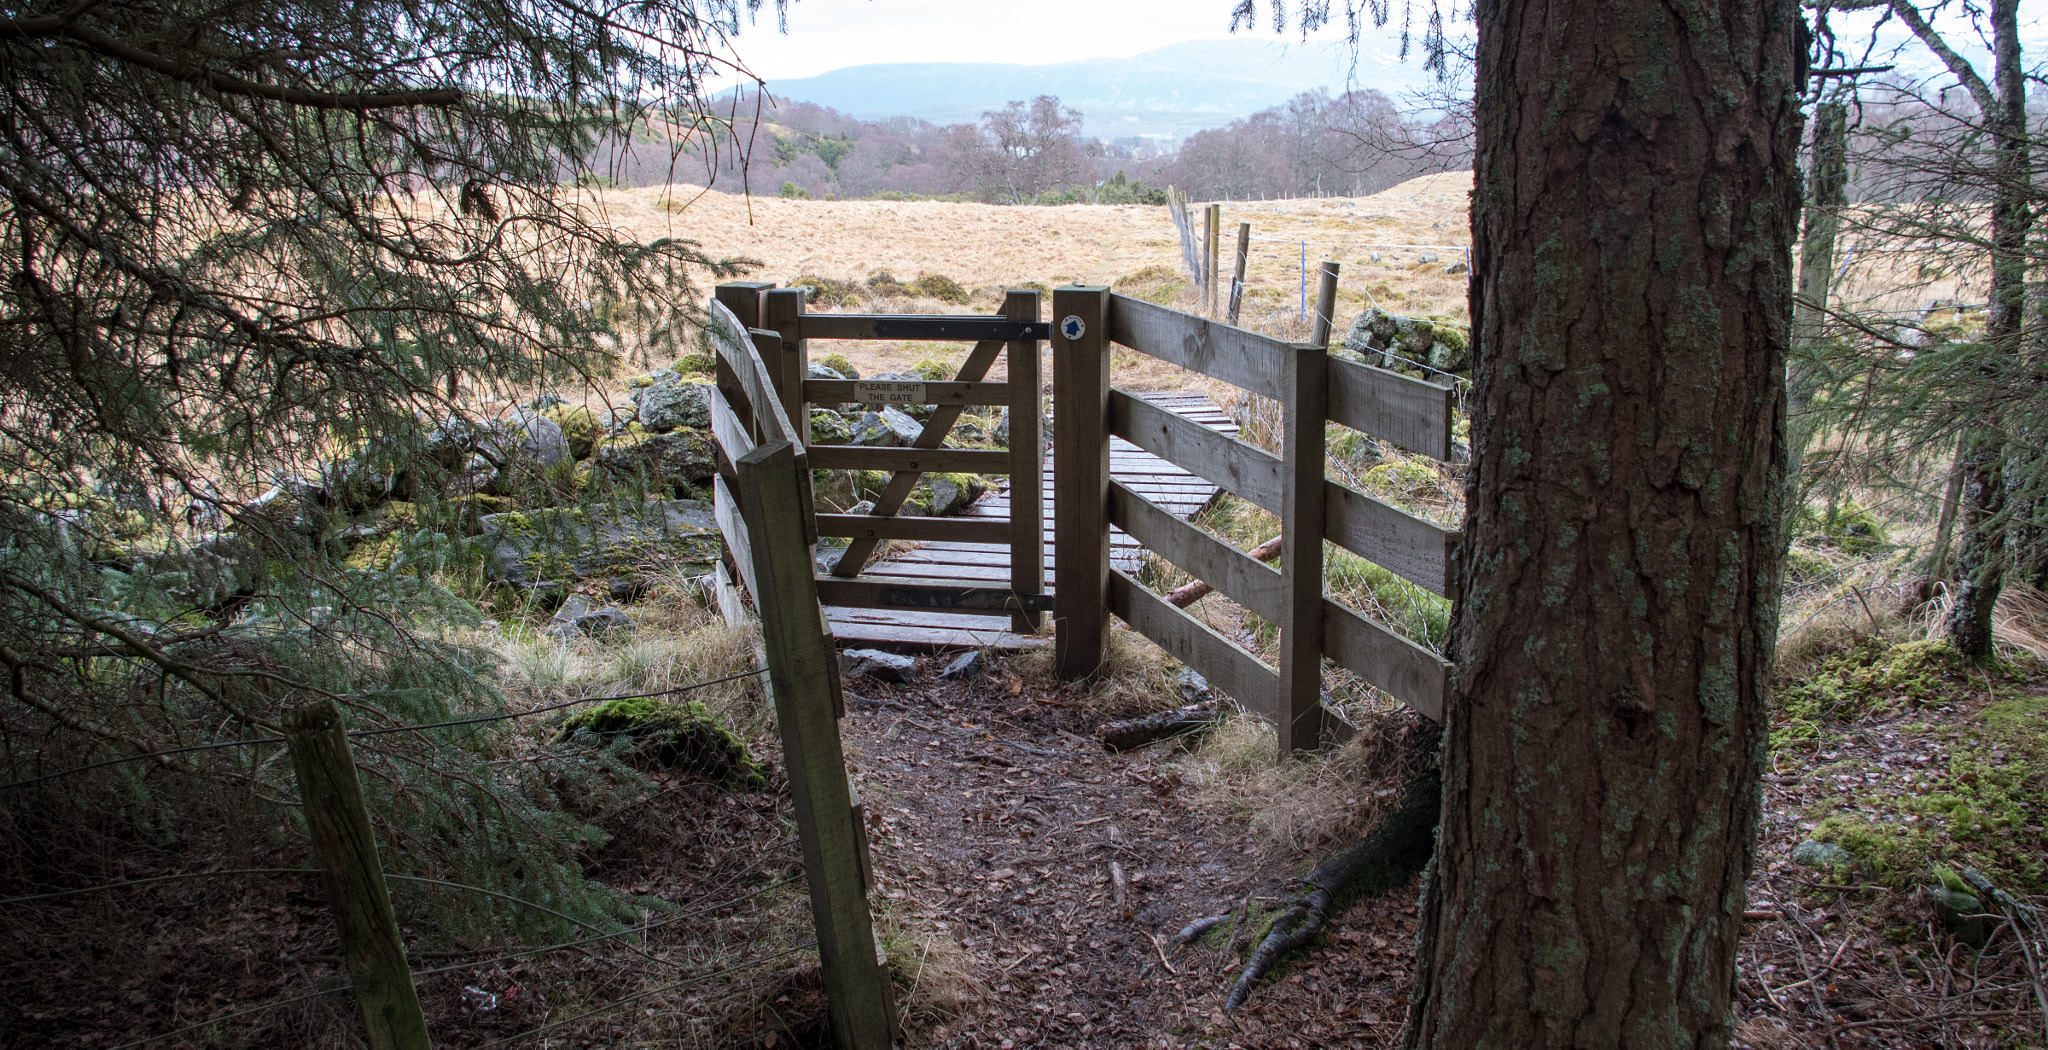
(1980, 551)
(1637, 193)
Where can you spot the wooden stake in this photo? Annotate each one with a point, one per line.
(1080, 457)
(1212, 231)
(1326, 305)
(1244, 248)
(347, 851)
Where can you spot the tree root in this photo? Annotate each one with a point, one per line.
(1384, 860)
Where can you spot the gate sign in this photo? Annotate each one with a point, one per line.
(1073, 328)
(889, 393)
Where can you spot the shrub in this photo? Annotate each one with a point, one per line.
(938, 286)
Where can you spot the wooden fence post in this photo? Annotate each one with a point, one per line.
(1027, 452)
(1080, 457)
(1326, 305)
(1300, 717)
(743, 298)
(782, 312)
(347, 851)
(1212, 221)
(1244, 251)
(801, 666)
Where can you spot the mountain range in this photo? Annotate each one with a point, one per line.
(1168, 93)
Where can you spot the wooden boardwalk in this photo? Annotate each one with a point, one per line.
(1176, 490)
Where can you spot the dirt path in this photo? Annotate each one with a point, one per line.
(995, 821)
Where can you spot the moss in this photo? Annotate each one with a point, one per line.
(1420, 615)
(1872, 677)
(938, 286)
(695, 365)
(827, 291)
(933, 370)
(840, 364)
(1401, 478)
(373, 554)
(1805, 566)
(1847, 525)
(672, 736)
(579, 425)
(637, 382)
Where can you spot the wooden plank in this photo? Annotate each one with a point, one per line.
(1080, 376)
(993, 636)
(731, 607)
(1226, 666)
(728, 428)
(965, 328)
(841, 391)
(800, 664)
(1393, 664)
(725, 509)
(736, 346)
(932, 436)
(1241, 358)
(1027, 508)
(1299, 706)
(921, 593)
(1236, 466)
(1245, 581)
(1389, 536)
(875, 527)
(1394, 408)
(862, 457)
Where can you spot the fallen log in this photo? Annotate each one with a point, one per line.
(1188, 593)
(1382, 862)
(1137, 732)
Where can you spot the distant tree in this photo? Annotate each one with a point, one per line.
(1022, 151)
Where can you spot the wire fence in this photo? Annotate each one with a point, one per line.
(379, 731)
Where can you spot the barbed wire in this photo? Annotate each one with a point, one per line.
(252, 741)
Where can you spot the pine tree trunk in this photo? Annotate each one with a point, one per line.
(1980, 555)
(1633, 218)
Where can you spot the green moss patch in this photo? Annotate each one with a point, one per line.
(579, 425)
(670, 736)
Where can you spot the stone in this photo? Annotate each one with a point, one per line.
(818, 371)
(830, 428)
(1426, 258)
(293, 504)
(1193, 686)
(1390, 340)
(451, 442)
(876, 664)
(684, 456)
(621, 540)
(872, 432)
(527, 437)
(1823, 855)
(209, 572)
(907, 430)
(966, 665)
(674, 402)
(1456, 268)
(1963, 915)
(968, 434)
(943, 494)
(576, 617)
(580, 426)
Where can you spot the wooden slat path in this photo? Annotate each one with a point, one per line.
(1180, 493)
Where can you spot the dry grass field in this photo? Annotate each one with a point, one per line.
(987, 248)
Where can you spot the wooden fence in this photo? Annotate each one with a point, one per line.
(784, 332)
(762, 501)
(1311, 388)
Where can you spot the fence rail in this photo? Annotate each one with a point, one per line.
(1312, 389)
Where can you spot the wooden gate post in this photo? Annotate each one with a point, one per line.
(1305, 376)
(782, 312)
(801, 669)
(1080, 462)
(743, 298)
(347, 851)
(1027, 452)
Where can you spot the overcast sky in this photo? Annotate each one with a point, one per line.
(829, 34)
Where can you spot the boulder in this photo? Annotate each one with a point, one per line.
(684, 456)
(966, 665)
(878, 665)
(618, 542)
(830, 428)
(579, 425)
(526, 437)
(674, 402)
(943, 494)
(907, 430)
(818, 371)
(209, 572)
(576, 617)
(1963, 915)
(871, 431)
(1824, 856)
(292, 504)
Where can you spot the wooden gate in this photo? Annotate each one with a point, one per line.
(1016, 334)
(762, 500)
(1311, 388)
